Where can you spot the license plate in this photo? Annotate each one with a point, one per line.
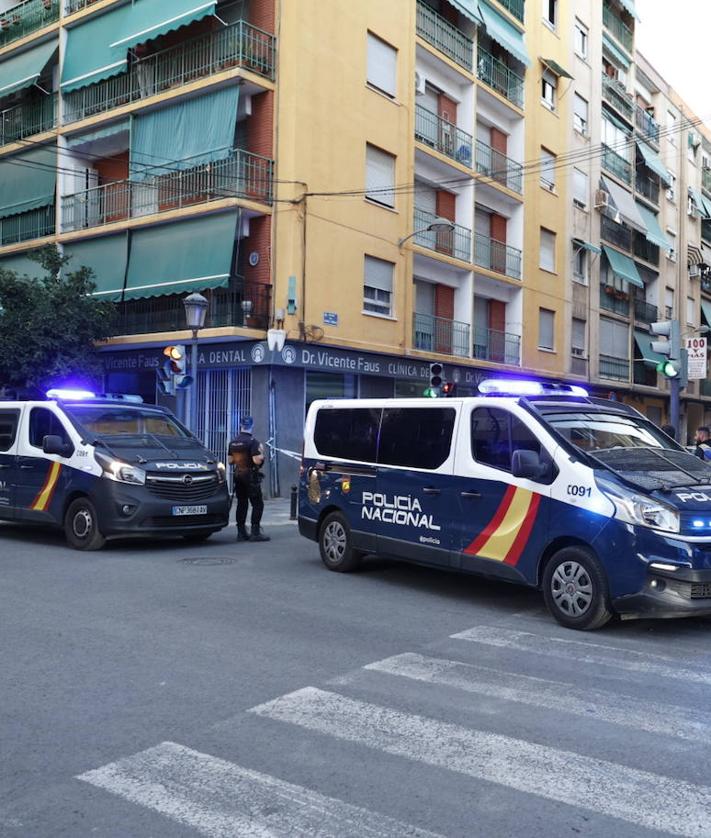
(189, 510)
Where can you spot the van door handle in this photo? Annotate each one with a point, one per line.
(430, 490)
(27, 467)
(470, 494)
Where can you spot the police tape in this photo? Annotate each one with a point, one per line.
(294, 455)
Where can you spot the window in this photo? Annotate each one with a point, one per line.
(347, 433)
(416, 437)
(378, 286)
(581, 39)
(690, 310)
(44, 423)
(382, 65)
(547, 252)
(671, 128)
(549, 82)
(496, 434)
(615, 138)
(379, 176)
(668, 302)
(550, 12)
(577, 338)
(580, 114)
(671, 254)
(671, 189)
(614, 339)
(580, 263)
(9, 420)
(547, 169)
(580, 188)
(328, 385)
(546, 328)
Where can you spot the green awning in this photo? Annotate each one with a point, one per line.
(555, 68)
(707, 204)
(28, 181)
(615, 52)
(702, 206)
(653, 162)
(116, 130)
(504, 33)
(593, 248)
(470, 9)
(624, 204)
(186, 134)
(89, 56)
(181, 257)
(22, 265)
(23, 70)
(644, 344)
(106, 256)
(654, 233)
(706, 311)
(623, 266)
(150, 18)
(629, 5)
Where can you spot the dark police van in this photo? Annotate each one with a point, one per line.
(107, 468)
(583, 498)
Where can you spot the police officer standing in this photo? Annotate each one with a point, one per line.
(247, 456)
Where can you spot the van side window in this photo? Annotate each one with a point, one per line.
(9, 420)
(44, 423)
(418, 437)
(496, 434)
(347, 433)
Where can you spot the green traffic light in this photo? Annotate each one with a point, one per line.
(669, 369)
(430, 393)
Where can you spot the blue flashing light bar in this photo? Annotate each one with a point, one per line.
(69, 394)
(528, 387)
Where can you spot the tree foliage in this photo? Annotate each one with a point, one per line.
(49, 327)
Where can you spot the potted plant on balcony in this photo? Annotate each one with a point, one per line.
(620, 294)
(609, 289)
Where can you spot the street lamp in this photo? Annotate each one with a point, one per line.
(439, 225)
(195, 313)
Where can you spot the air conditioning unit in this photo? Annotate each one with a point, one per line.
(602, 199)
(694, 271)
(420, 82)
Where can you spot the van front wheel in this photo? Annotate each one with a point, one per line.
(575, 589)
(81, 526)
(336, 545)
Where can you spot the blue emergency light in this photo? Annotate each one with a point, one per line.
(528, 387)
(69, 394)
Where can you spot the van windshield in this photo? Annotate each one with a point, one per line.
(107, 421)
(596, 432)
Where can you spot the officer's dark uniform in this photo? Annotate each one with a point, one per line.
(247, 484)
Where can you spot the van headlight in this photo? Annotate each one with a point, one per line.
(221, 473)
(640, 510)
(120, 472)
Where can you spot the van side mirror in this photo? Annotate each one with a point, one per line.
(528, 464)
(53, 444)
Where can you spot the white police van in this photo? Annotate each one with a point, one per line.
(537, 484)
(106, 468)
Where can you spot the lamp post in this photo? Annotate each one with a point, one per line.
(195, 313)
(439, 225)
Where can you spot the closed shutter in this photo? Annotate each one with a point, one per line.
(380, 176)
(546, 328)
(547, 255)
(382, 65)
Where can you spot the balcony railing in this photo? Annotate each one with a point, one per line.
(706, 179)
(645, 250)
(644, 312)
(438, 334)
(28, 118)
(516, 7)
(498, 167)
(646, 125)
(457, 242)
(578, 365)
(706, 284)
(497, 75)
(617, 27)
(167, 314)
(25, 18)
(497, 256)
(27, 226)
(615, 94)
(444, 36)
(647, 186)
(443, 136)
(615, 233)
(237, 45)
(241, 175)
(71, 6)
(614, 300)
(616, 164)
(500, 347)
(617, 369)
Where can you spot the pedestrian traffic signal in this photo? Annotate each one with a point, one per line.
(449, 388)
(670, 366)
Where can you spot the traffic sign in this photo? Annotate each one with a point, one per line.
(696, 349)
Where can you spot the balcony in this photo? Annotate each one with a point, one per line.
(438, 334)
(706, 230)
(614, 300)
(644, 312)
(27, 226)
(443, 136)
(617, 27)
(25, 18)
(705, 283)
(647, 125)
(497, 256)
(615, 94)
(167, 314)
(456, 243)
(615, 233)
(616, 165)
(499, 347)
(514, 7)
(444, 36)
(647, 186)
(237, 45)
(241, 175)
(645, 250)
(616, 369)
(706, 179)
(71, 6)
(498, 167)
(499, 77)
(28, 118)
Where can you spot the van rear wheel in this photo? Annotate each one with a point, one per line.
(81, 526)
(336, 544)
(575, 589)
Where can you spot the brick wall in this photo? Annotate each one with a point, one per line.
(260, 125)
(262, 14)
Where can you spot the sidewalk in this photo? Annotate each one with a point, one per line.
(276, 513)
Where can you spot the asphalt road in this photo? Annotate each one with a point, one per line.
(156, 689)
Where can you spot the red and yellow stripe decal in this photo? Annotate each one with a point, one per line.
(42, 501)
(505, 536)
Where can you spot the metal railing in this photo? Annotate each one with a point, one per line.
(71, 6)
(646, 125)
(614, 300)
(617, 27)
(616, 165)
(439, 334)
(615, 94)
(443, 136)
(515, 7)
(578, 365)
(617, 369)
(647, 186)
(615, 233)
(498, 167)
(500, 347)
(28, 118)
(241, 175)
(456, 242)
(500, 77)
(237, 45)
(706, 179)
(444, 36)
(644, 312)
(25, 226)
(497, 256)
(27, 17)
(645, 250)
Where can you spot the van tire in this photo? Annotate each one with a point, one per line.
(575, 589)
(336, 544)
(81, 526)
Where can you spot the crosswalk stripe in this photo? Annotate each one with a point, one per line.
(223, 800)
(586, 652)
(539, 692)
(593, 784)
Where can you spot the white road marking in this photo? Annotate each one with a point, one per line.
(562, 698)
(223, 800)
(596, 654)
(603, 787)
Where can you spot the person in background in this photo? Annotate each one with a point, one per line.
(703, 443)
(669, 430)
(246, 455)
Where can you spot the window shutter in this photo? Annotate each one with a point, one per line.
(382, 65)
(546, 320)
(378, 274)
(380, 176)
(547, 256)
(580, 187)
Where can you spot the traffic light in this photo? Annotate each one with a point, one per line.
(434, 388)
(176, 365)
(671, 366)
(449, 388)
